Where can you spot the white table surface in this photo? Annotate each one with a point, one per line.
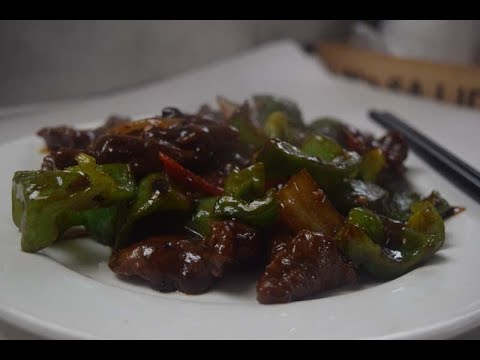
(259, 70)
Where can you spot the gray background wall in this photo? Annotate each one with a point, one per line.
(42, 60)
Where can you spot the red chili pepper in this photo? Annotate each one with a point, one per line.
(188, 178)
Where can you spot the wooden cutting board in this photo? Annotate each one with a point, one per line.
(445, 82)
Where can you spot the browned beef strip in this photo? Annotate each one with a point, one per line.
(278, 240)
(355, 140)
(393, 145)
(66, 137)
(209, 142)
(111, 122)
(308, 265)
(169, 262)
(61, 158)
(205, 146)
(395, 148)
(232, 242)
(142, 156)
(70, 138)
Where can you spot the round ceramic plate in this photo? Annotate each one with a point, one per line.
(67, 291)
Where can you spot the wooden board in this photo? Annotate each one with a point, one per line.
(444, 82)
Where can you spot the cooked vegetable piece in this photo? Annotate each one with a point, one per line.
(322, 147)
(260, 213)
(156, 193)
(249, 135)
(422, 236)
(265, 105)
(101, 223)
(369, 222)
(41, 198)
(398, 205)
(246, 184)
(276, 126)
(304, 206)
(203, 216)
(282, 160)
(372, 163)
(328, 126)
(188, 178)
(443, 207)
(351, 193)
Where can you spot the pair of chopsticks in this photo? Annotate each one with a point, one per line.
(456, 170)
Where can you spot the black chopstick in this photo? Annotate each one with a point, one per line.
(456, 170)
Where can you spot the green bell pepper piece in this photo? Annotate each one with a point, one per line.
(260, 213)
(372, 163)
(200, 222)
(443, 207)
(328, 126)
(268, 104)
(322, 147)
(156, 193)
(41, 199)
(352, 193)
(369, 222)
(398, 205)
(276, 126)
(101, 223)
(423, 235)
(247, 184)
(248, 134)
(282, 160)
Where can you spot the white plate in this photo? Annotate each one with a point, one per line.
(67, 291)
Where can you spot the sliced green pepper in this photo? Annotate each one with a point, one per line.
(101, 223)
(423, 235)
(156, 193)
(246, 184)
(248, 133)
(268, 104)
(352, 193)
(328, 126)
(398, 205)
(369, 222)
(261, 213)
(276, 126)
(443, 207)
(372, 163)
(203, 215)
(282, 160)
(322, 147)
(41, 198)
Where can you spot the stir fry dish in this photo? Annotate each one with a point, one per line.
(185, 199)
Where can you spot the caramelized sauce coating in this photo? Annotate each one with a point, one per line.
(232, 242)
(308, 265)
(169, 262)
